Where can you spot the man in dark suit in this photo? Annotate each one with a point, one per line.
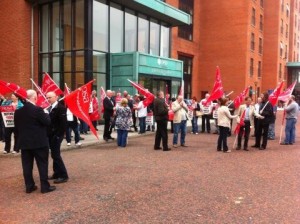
(160, 111)
(56, 131)
(31, 125)
(109, 108)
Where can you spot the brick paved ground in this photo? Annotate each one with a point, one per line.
(139, 185)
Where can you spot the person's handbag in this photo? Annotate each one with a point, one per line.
(199, 113)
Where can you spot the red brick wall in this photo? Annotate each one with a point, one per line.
(15, 45)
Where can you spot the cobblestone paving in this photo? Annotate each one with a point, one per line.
(137, 184)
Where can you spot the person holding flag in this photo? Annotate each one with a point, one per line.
(245, 121)
(265, 116)
(206, 108)
(94, 109)
(291, 110)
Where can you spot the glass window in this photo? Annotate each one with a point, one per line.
(259, 69)
(251, 66)
(45, 63)
(67, 62)
(55, 27)
(260, 47)
(55, 63)
(78, 79)
(45, 28)
(186, 31)
(143, 35)
(116, 28)
(100, 26)
(66, 26)
(68, 80)
(56, 78)
(253, 17)
(79, 61)
(99, 62)
(252, 42)
(130, 30)
(261, 24)
(165, 41)
(154, 37)
(79, 24)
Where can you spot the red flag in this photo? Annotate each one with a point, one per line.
(284, 96)
(239, 99)
(103, 95)
(149, 96)
(238, 125)
(217, 91)
(79, 102)
(49, 85)
(6, 87)
(42, 101)
(274, 96)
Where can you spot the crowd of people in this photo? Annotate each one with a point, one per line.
(56, 123)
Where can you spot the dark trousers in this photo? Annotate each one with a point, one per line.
(134, 121)
(107, 128)
(255, 125)
(161, 134)
(262, 131)
(59, 169)
(41, 157)
(142, 123)
(206, 122)
(83, 127)
(8, 133)
(244, 131)
(222, 140)
(2, 129)
(72, 126)
(122, 137)
(95, 124)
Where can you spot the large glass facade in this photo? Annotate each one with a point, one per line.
(76, 37)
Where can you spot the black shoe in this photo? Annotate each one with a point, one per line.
(157, 148)
(246, 149)
(262, 148)
(60, 180)
(183, 145)
(52, 178)
(34, 188)
(283, 143)
(238, 148)
(51, 188)
(255, 146)
(105, 139)
(168, 149)
(219, 150)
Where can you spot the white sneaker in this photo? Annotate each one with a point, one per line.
(197, 133)
(68, 144)
(78, 144)
(13, 152)
(4, 152)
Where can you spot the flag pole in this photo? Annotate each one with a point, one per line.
(281, 129)
(235, 140)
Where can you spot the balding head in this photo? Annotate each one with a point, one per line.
(109, 93)
(51, 97)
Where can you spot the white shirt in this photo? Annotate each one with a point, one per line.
(141, 110)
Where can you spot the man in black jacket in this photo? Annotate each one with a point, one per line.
(57, 112)
(109, 108)
(160, 111)
(31, 125)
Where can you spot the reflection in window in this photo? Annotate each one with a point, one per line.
(116, 29)
(79, 24)
(154, 38)
(45, 28)
(79, 61)
(100, 26)
(45, 63)
(99, 62)
(130, 31)
(143, 44)
(56, 67)
(56, 78)
(67, 62)
(55, 27)
(165, 40)
(67, 25)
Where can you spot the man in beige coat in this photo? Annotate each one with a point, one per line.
(180, 110)
(246, 122)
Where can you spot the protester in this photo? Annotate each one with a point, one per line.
(142, 114)
(123, 122)
(246, 123)
(57, 112)
(271, 132)
(196, 109)
(31, 125)
(216, 106)
(2, 132)
(180, 110)
(72, 125)
(231, 110)
(206, 109)
(224, 117)
(265, 116)
(291, 110)
(16, 104)
(109, 108)
(256, 106)
(150, 111)
(94, 109)
(160, 110)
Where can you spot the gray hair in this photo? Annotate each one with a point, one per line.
(31, 94)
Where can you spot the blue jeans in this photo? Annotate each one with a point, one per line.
(122, 137)
(142, 122)
(290, 128)
(195, 124)
(182, 128)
